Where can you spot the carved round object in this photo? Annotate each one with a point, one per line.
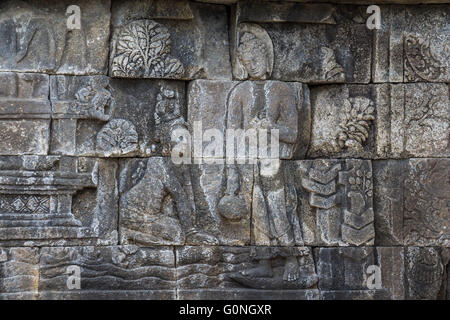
(118, 137)
(233, 208)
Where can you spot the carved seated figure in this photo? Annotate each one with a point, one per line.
(157, 204)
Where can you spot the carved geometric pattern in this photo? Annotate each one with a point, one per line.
(24, 204)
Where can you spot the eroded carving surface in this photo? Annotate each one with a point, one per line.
(224, 149)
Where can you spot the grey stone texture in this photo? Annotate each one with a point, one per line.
(312, 43)
(380, 121)
(56, 201)
(223, 105)
(104, 117)
(35, 38)
(411, 202)
(169, 39)
(411, 46)
(224, 149)
(25, 114)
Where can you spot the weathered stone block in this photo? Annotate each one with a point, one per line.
(111, 272)
(157, 205)
(223, 200)
(176, 40)
(250, 106)
(412, 202)
(57, 201)
(246, 272)
(424, 273)
(322, 44)
(99, 116)
(19, 271)
(343, 121)
(34, 37)
(360, 273)
(328, 202)
(124, 272)
(388, 182)
(380, 121)
(25, 113)
(412, 45)
(417, 117)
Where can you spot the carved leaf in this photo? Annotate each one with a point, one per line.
(356, 123)
(421, 60)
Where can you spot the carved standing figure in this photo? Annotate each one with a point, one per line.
(263, 105)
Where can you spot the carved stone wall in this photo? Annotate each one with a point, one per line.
(115, 179)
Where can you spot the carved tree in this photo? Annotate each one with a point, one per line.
(142, 49)
(118, 137)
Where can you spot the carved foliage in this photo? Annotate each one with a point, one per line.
(118, 137)
(331, 70)
(355, 126)
(357, 227)
(420, 62)
(341, 195)
(426, 216)
(142, 50)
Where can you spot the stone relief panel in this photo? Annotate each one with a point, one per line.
(310, 202)
(343, 273)
(157, 204)
(413, 44)
(50, 200)
(25, 113)
(109, 272)
(323, 43)
(380, 121)
(157, 39)
(112, 272)
(424, 273)
(419, 116)
(246, 273)
(334, 201)
(426, 219)
(251, 105)
(99, 116)
(34, 37)
(93, 125)
(412, 204)
(343, 123)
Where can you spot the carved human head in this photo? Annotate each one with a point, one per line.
(254, 53)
